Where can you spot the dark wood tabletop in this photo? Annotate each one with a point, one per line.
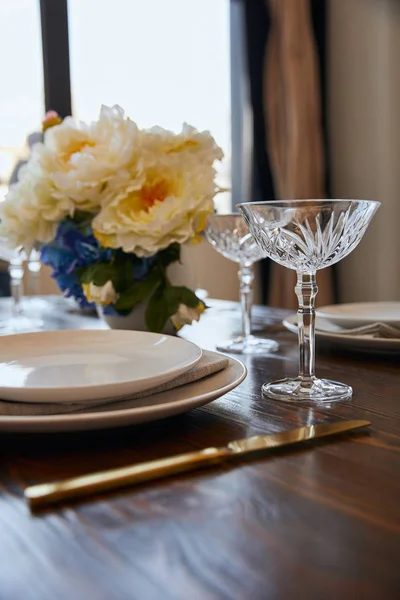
(319, 521)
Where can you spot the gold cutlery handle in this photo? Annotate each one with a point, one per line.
(116, 478)
(158, 469)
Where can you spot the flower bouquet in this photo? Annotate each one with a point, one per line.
(110, 206)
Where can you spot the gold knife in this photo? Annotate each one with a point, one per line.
(84, 485)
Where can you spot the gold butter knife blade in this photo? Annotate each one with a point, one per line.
(84, 485)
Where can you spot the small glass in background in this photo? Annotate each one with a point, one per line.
(18, 321)
(230, 236)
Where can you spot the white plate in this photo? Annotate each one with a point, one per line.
(164, 404)
(330, 332)
(81, 366)
(357, 314)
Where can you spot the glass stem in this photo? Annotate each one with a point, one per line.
(16, 292)
(306, 290)
(34, 277)
(246, 277)
(16, 271)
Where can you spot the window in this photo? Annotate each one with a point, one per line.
(163, 62)
(21, 98)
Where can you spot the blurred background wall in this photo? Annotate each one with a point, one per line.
(364, 137)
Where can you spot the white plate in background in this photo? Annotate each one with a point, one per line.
(329, 332)
(357, 314)
(88, 365)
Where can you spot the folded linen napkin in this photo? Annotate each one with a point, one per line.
(210, 363)
(375, 330)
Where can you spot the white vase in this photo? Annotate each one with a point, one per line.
(133, 322)
(179, 273)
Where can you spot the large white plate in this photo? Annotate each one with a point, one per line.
(330, 332)
(357, 314)
(82, 365)
(151, 408)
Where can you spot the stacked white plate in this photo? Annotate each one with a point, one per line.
(335, 324)
(90, 366)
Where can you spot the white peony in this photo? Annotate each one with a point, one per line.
(79, 159)
(186, 315)
(29, 213)
(164, 200)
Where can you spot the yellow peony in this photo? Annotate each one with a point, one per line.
(162, 199)
(80, 159)
(199, 144)
(146, 188)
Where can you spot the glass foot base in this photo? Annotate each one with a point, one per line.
(20, 324)
(248, 345)
(301, 391)
(36, 303)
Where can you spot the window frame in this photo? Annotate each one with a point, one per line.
(55, 49)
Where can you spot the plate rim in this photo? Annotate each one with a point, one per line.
(171, 372)
(101, 417)
(346, 317)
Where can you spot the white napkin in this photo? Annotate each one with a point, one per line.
(375, 330)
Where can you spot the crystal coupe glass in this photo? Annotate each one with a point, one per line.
(307, 235)
(230, 236)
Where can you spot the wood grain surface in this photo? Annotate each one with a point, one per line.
(316, 522)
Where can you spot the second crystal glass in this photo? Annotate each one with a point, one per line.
(230, 237)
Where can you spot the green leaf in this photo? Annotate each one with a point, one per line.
(157, 314)
(83, 221)
(169, 255)
(165, 302)
(119, 271)
(138, 292)
(123, 273)
(97, 273)
(176, 295)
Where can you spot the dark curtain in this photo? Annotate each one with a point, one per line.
(257, 25)
(319, 16)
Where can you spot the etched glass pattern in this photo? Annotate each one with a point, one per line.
(230, 236)
(308, 235)
(312, 235)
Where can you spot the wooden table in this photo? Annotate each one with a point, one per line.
(318, 522)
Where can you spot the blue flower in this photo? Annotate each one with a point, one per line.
(75, 246)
